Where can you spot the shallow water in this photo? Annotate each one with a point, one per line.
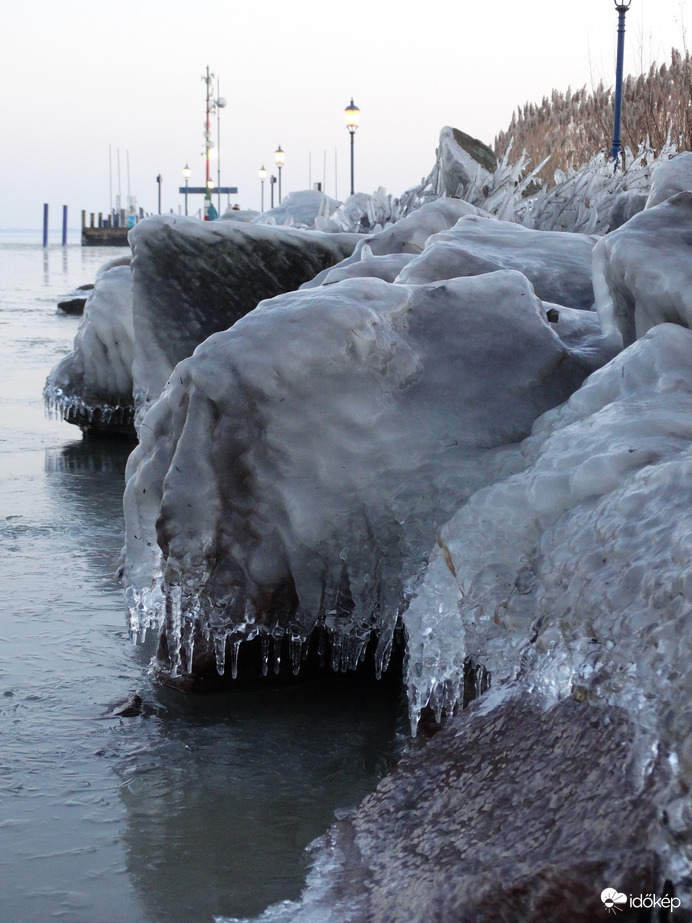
(199, 806)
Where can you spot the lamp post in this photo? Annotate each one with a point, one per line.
(187, 173)
(272, 181)
(279, 158)
(159, 180)
(621, 6)
(352, 113)
(262, 176)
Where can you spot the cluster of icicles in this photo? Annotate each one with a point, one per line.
(183, 619)
(73, 409)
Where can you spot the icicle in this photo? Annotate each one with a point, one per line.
(173, 617)
(188, 641)
(337, 645)
(220, 651)
(295, 649)
(235, 649)
(264, 642)
(277, 641)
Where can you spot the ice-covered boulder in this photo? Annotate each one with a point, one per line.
(300, 209)
(573, 577)
(585, 553)
(408, 236)
(193, 278)
(462, 161)
(642, 272)
(386, 267)
(297, 467)
(669, 178)
(92, 386)
(558, 264)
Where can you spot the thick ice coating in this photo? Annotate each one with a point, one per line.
(642, 272)
(558, 264)
(577, 570)
(406, 238)
(297, 467)
(92, 386)
(193, 278)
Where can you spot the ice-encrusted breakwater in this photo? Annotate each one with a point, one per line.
(414, 437)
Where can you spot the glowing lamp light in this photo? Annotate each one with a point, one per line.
(352, 114)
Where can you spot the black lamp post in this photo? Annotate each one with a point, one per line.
(352, 113)
(621, 6)
(187, 173)
(279, 157)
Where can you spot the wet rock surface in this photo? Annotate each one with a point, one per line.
(518, 815)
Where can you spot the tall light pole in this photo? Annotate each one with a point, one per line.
(219, 104)
(262, 176)
(621, 6)
(279, 158)
(352, 113)
(187, 173)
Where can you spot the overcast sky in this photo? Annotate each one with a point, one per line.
(80, 76)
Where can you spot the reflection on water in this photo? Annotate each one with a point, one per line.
(198, 806)
(227, 791)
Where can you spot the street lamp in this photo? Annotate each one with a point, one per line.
(621, 6)
(187, 173)
(159, 180)
(262, 176)
(352, 113)
(272, 181)
(279, 157)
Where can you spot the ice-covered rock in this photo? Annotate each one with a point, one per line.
(300, 209)
(574, 576)
(558, 264)
(462, 162)
(386, 267)
(407, 237)
(92, 386)
(193, 278)
(585, 553)
(296, 468)
(642, 272)
(670, 177)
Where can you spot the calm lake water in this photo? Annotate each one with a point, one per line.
(199, 806)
